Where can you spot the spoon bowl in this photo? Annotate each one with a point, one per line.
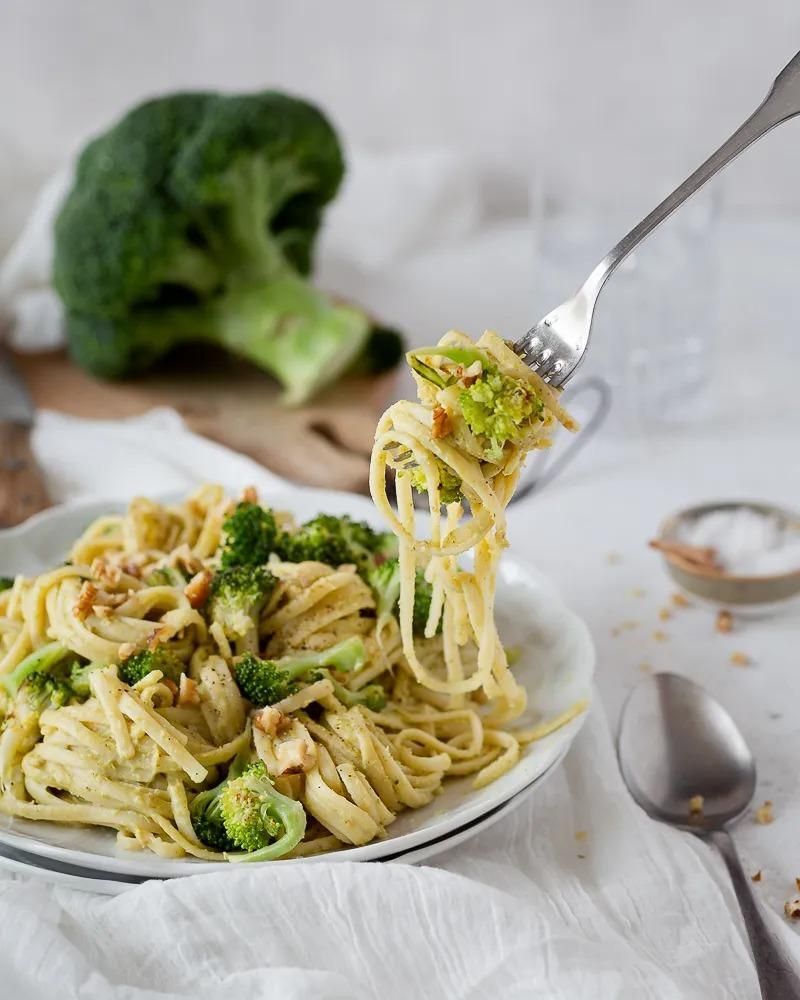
(676, 743)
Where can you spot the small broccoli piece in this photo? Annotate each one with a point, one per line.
(249, 535)
(165, 576)
(133, 668)
(450, 485)
(335, 540)
(498, 409)
(43, 690)
(42, 660)
(372, 696)
(6, 582)
(205, 811)
(264, 682)
(79, 677)
(259, 819)
(385, 583)
(237, 596)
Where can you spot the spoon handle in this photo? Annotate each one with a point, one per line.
(776, 974)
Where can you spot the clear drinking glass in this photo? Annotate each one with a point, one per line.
(655, 325)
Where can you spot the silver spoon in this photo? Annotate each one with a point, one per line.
(556, 345)
(676, 743)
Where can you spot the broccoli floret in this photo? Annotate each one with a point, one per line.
(237, 596)
(133, 668)
(498, 409)
(6, 582)
(259, 819)
(249, 535)
(43, 690)
(205, 809)
(194, 219)
(334, 540)
(372, 696)
(79, 677)
(385, 583)
(450, 485)
(42, 660)
(264, 682)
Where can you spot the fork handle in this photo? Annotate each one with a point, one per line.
(780, 104)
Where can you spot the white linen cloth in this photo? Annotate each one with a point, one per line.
(526, 909)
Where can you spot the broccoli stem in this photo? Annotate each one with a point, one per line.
(41, 660)
(345, 656)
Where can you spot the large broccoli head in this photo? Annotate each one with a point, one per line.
(194, 219)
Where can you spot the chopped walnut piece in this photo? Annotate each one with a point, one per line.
(764, 813)
(696, 805)
(797, 883)
(126, 649)
(680, 601)
(665, 614)
(724, 622)
(442, 425)
(103, 570)
(646, 668)
(739, 659)
(581, 834)
(86, 598)
(270, 721)
(188, 693)
(660, 636)
(159, 635)
(469, 376)
(197, 588)
(183, 556)
(131, 568)
(792, 909)
(756, 876)
(249, 494)
(294, 757)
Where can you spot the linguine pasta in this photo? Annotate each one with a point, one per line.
(135, 757)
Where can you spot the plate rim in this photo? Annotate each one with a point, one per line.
(412, 841)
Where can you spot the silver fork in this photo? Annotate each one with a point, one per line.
(556, 345)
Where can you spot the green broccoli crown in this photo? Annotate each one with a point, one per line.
(79, 678)
(206, 816)
(498, 409)
(44, 660)
(259, 819)
(237, 596)
(385, 583)
(133, 668)
(265, 682)
(6, 582)
(42, 690)
(194, 219)
(450, 485)
(335, 540)
(249, 535)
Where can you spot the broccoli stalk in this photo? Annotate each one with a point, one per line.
(258, 818)
(385, 583)
(371, 696)
(41, 661)
(137, 666)
(194, 219)
(264, 682)
(238, 593)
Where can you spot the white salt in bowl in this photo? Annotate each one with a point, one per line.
(761, 566)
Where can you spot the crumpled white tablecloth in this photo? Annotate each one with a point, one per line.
(526, 909)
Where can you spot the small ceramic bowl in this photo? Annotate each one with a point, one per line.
(727, 590)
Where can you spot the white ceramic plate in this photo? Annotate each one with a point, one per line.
(556, 666)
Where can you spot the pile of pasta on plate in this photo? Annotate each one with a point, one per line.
(211, 678)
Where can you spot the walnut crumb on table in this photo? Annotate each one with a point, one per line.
(756, 876)
(797, 883)
(764, 814)
(581, 834)
(680, 601)
(739, 659)
(660, 636)
(724, 622)
(665, 614)
(792, 909)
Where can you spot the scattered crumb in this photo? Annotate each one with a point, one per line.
(626, 626)
(680, 601)
(739, 659)
(764, 813)
(660, 636)
(756, 876)
(638, 592)
(797, 883)
(581, 856)
(792, 909)
(646, 668)
(696, 805)
(724, 622)
(581, 834)
(665, 614)
(613, 558)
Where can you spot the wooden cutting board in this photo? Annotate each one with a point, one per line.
(326, 443)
